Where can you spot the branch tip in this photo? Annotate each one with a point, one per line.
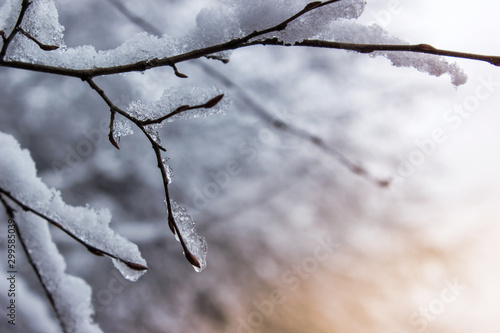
(113, 141)
(192, 259)
(213, 102)
(134, 266)
(181, 75)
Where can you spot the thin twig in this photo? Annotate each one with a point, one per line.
(210, 104)
(45, 47)
(370, 48)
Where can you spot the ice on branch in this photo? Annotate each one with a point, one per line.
(91, 227)
(121, 129)
(173, 98)
(168, 170)
(71, 295)
(194, 242)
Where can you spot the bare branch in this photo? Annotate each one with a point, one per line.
(157, 149)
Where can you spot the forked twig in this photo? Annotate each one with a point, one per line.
(157, 148)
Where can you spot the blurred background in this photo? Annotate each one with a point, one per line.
(297, 242)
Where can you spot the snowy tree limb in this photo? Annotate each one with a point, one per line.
(234, 44)
(90, 248)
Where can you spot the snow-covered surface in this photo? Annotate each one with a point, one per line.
(92, 227)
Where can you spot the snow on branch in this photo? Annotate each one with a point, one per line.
(270, 19)
(20, 184)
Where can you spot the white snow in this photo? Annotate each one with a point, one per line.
(19, 178)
